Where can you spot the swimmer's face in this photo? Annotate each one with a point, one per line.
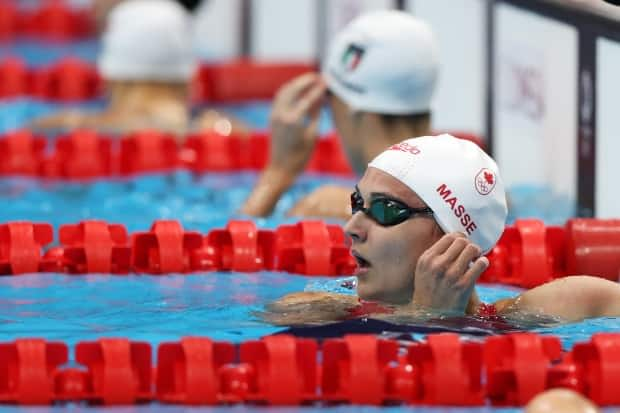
(346, 128)
(387, 256)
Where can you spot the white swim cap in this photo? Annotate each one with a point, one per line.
(147, 40)
(384, 62)
(456, 179)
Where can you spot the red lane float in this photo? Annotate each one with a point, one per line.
(313, 248)
(284, 369)
(95, 247)
(21, 153)
(80, 155)
(68, 80)
(15, 77)
(593, 247)
(212, 151)
(119, 371)
(356, 369)
(166, 248)
(189, 372)
(148, 151)
(57, 20)
(20, 246)
(518, 366)
(598, 363)
(228, 82)
(240, 247)
(329, 156)
(449, 371)
(527, 255)
(9, 21)
(27, 370)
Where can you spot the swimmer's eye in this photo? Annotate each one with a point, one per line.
(386, 211)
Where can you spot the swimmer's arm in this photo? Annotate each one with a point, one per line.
(571, 298)
(271, 185)
(308, 308)
(328, 201)
(294, 131)
(64, 120)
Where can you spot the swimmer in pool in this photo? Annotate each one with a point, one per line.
(379, 78)
(424, 214)
(147, 63)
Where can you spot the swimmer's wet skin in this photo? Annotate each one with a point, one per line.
(426, 264)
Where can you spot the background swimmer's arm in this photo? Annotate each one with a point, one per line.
(328, 201)
(571, 298)
(271, 184)
(220, 123)
(294, 131)
(63, 120)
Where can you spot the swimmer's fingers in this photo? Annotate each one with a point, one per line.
(291, 91)
(310, 102)
(468, 255)
(441, 246)
(447, 260)
(475, 271)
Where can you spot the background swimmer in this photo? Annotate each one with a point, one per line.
(379, 78)
(147, 62)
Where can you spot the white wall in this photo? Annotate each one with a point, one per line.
(460, 28)
(216, 29)
(536, 101)
(341, 12)
(284, 30)
(607, 199)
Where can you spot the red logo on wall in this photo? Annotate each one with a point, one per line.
(485, 181)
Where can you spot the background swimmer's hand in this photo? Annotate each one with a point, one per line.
(328, 201)
(294, 123)
(446, 274)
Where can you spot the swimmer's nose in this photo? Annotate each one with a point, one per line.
(355, 228)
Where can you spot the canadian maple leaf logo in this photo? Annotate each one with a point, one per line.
(485, 181)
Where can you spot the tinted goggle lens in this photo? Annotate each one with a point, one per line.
(383, 211)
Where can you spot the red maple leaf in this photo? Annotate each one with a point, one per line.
(489, 178)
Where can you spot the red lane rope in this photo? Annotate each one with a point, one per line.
(444, 369)
(83, 154)
(74, 80)
(527, 255)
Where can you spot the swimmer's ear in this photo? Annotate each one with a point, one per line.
(356, 116)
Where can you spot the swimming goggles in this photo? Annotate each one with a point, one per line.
(386, 211)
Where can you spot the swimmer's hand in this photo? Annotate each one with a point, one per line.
(328, 201)
(446, 274)
(294, 123)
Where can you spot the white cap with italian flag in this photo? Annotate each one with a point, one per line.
(384, 62)
(456, 179)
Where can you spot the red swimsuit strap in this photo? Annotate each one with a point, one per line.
(365, 308)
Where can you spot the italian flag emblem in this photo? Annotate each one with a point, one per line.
(352, 57)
